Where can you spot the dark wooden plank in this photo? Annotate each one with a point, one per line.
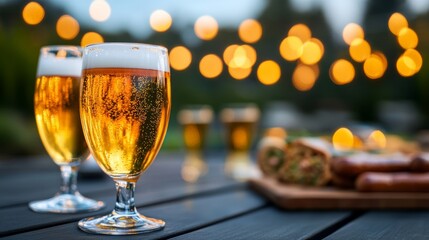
(386, 225)
(270, 223)
(21, 218)
(181, 216)
(300, 197)
(24, 185)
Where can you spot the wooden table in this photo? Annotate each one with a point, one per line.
(215, 207)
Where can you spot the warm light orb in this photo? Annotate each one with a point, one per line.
(304, 77)
(277, 132)
(416, 57)
(269, 72)
(33, 13)
(99, 10)
(291, 48)
(160, 20)
(343, 139)
(206, 27)
(239, 73)
(240, 59)
(373, 67)
(250, 31)
(406, 66)
(67, 27)
(397, 22)
(311, 53)
(342, 72)
(228, 53)
(383, 59)
(320, 44)
(359, 50)
(211, 66)
(351, 32)
(180, 58)
(408, 38)
(91, 38)
(377, 140)
(301, 31)
(244, 56)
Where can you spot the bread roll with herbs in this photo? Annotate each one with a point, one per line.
(307, 163)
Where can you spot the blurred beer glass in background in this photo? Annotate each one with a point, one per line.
(56, 106)
(195, 121)
(240, 124)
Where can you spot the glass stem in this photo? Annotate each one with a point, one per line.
(69, 179)
(125, 198)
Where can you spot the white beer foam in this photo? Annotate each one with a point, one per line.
(54, 66)
(119, 55)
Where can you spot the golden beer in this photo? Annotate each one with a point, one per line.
(240, 125)
(56, 104)
(194, 135)
(125, 113)
(239, 135)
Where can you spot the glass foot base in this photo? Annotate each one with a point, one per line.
(66, 203)
(116, 224)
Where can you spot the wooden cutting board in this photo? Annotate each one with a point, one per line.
(298, 197)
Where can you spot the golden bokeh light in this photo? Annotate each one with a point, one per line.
(250, 31)
(99, 10)
(160, 20)
(276, 132)
(351, 32)
(397, 22)
(382, 57)
(311, 53)
(408, 38)
(228, 53)
(301, 31)
(320, 44)
(373, 67)
(211, 66)
(357, 142)
(250, 54)
(269, 72)
(377, 140)
(342, 72)
(343, 139)
(406, 66)
(33, 13)
(91, 38)
(67, 27)
(206, 27)
(244, 56)
(180, 58)
(291, 48)
(359, 50)
(416, 57)
(239, 73)
(304, 77)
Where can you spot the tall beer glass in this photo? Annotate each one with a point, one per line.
(56, 105)
(195, 121)
(125, 108)
(240, 121)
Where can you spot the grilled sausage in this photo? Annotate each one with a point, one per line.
(393, 182)
(356, 164)
(420, 163)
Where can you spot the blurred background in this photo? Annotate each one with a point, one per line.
(311, 66)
